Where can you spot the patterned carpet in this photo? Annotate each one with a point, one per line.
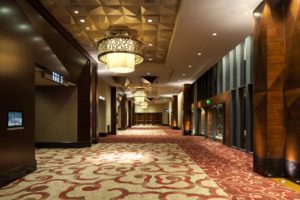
(146, 167)
(115, 171)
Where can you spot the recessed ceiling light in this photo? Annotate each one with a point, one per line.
(148, 73)
(199, 54)
(150, 20)
(190, 66)
(96, 40)
(183, 74)
(87, 28)
(82, 20)
(76, 11)
(150, 45)
(150, 59)
(214, 34)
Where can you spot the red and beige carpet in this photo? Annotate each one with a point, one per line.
(161, 167)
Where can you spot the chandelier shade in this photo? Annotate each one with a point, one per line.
(139, 95)
(144, 105)
(120, 53)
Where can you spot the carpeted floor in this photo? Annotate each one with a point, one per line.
(115, 171)
(146, 168)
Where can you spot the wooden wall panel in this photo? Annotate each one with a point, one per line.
(187, 109)
(277, 89)
(292, 90)
(113, 110)
(147, 118)
(174, 115)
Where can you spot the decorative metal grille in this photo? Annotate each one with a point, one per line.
(120, 45)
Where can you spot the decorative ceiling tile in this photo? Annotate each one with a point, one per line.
(95, 10)
(100, 16)
(111, 2)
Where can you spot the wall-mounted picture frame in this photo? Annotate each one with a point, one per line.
(15, 120)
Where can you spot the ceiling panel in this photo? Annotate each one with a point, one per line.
(89, 20)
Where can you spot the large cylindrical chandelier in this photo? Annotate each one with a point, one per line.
(144, 105)
(120, 53)
(139, 95)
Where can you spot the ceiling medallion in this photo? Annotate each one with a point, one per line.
(120, 52)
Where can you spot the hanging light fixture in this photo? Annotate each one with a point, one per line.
(144, 105)
(120, 53)
(139, 95)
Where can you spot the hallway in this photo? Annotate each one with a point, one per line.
(146, 167)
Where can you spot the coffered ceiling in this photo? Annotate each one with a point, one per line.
(178, 42)
(151, 21)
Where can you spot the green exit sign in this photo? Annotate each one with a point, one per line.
(208, 102)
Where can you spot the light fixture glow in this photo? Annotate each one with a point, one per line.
(120, 53)
(150, 45)
(183, 74)
(139, 95)
(82, 20)
(214, 34)
(150, 20)
(148, 73)
(87, 28)
(76, 11)
(199, 54)
(150, 59)
(144, 105)
(190, 66)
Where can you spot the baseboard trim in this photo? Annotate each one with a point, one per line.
(81, 144)
(7, 176)
(103, 134)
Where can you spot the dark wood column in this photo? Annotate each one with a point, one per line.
(269, 69)
(133, 114)
(129, 114)
(174, 112)
(292, 90)
(84, 105)
(94, 96)
(124, 113)
(113, 114)
(187, 110)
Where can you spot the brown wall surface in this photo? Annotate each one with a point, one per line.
(16, 92)
(276, 89)
(56, 114)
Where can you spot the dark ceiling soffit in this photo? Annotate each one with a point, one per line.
(51, 19)
(149, 79)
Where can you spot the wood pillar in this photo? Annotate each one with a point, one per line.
(174, 122)
(277, 89)
(187, 109)
(124, 113)
(129, 114)
(84, 134)
(133, 114)
(94, 96)
(113, 113)
(292, 90)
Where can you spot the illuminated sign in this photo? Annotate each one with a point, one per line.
(57, 78)
(208, 102)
